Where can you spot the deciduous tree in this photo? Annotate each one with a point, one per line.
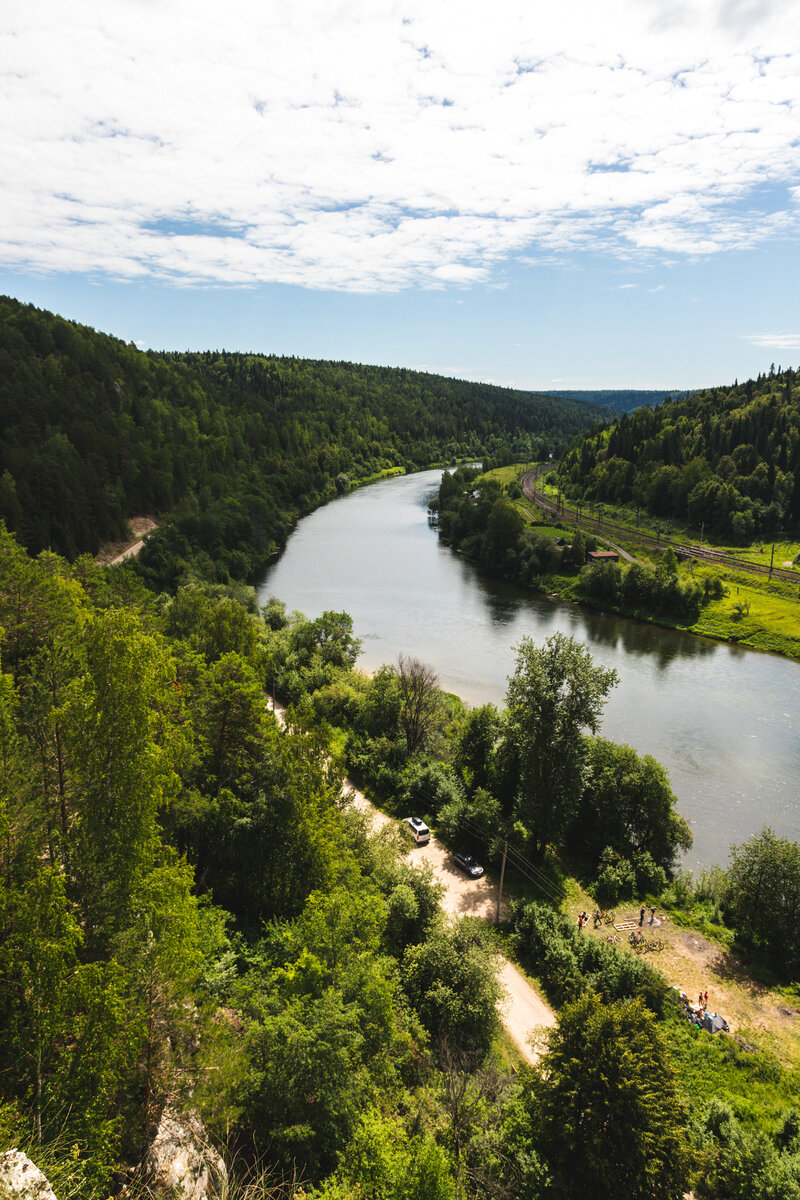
(418, 688)
(554, 695)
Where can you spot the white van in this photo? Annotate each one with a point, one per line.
(419, 830)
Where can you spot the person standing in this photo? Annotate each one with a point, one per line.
(641, 915)
(653, 915)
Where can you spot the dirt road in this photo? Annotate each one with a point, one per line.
(117, 552)
(523, 1008)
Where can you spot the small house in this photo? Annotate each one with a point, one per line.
(602, 556)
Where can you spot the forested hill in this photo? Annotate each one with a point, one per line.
(621, 399)
(233, 446)
(728, 458)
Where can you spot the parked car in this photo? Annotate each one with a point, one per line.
(469, 865)
(418, 829)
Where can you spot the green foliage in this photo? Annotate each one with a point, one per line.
(309, 1081)
(763, 898)
(570, 963)
(555, 693)
(741, 1164)
(638, 589)
(124, 750)
(604, 1105)
(727, 458)
(450, 979)
(428, 786)
(235, 446)
(627, 805)
(385, 1163)
(756, 1086)
(474, 824)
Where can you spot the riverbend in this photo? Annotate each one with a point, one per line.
(724, 721)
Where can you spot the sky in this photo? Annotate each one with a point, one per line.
(588, 195)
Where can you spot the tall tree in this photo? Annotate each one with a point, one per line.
(628, 804)
(418, 688)
(124, 747)
(555, 693)
(763, 895)
(604, 1105)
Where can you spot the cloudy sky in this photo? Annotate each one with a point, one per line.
(602, 194)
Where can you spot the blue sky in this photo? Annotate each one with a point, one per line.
(603, 197)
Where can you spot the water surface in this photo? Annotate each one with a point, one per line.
(722, 719)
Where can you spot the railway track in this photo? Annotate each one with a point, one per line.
(612, 531)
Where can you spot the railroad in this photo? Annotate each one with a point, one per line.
(603, 527)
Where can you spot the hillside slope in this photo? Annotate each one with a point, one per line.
(727, 458)
(234, 446)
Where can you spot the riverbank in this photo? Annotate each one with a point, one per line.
(756, 612)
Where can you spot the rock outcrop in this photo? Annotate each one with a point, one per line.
(20, 1179)
(181, 1162)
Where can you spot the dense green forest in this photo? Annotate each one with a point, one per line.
(230, 447)
(190, 914)
(726, 459)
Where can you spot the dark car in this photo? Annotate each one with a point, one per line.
(468, 864)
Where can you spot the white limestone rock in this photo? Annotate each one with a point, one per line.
(20, 1179)
(181, 1162)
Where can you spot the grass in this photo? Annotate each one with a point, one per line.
(755, 1084)
(756, 613)
(386, 473)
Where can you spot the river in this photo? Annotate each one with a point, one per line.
(723, 720)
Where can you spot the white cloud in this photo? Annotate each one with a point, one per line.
(774, 341)
(373, 146)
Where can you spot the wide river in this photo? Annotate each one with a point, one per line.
(723, 720)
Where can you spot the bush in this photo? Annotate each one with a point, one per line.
(616, 879)
(570, 963)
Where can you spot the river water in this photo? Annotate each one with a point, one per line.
(724, 721)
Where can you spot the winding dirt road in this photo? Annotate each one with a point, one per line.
(523, 1010)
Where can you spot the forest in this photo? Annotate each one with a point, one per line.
(622, 400)
(192, 915)
(227, 450)
(726, 460)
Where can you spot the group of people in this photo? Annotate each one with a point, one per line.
(642, 913)
(695, 1012)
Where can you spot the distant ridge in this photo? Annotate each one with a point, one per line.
(725, 460)
(622, 399)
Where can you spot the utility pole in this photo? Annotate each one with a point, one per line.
(702, 527)
(502, 876)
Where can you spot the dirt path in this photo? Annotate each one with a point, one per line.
(117, 552)
(523, 1009)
